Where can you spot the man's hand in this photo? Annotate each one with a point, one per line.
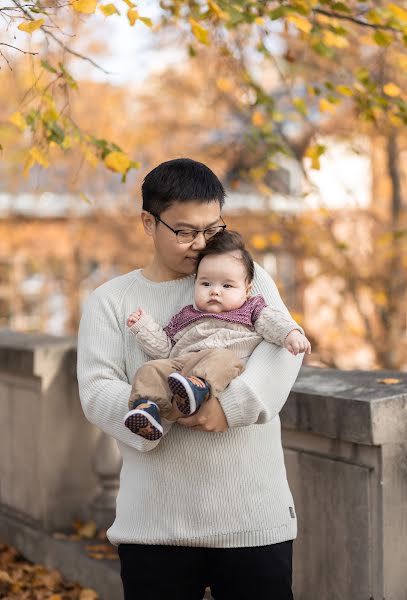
(210, 417)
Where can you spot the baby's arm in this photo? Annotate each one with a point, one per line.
(151, 337)
(279, 328)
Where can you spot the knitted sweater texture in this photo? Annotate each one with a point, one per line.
(194, 488)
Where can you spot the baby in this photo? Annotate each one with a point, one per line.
(205, 346)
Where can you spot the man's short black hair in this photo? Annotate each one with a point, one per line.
(180, 180)
(224, 242)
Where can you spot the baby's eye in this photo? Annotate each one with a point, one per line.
(227, 285)
(205, 283)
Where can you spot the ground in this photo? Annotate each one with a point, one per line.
(23, 580)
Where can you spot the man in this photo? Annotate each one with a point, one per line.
(210, 504)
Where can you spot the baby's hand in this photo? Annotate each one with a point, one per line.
(295, 343)
(134, 317)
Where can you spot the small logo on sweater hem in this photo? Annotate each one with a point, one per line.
(292, 513)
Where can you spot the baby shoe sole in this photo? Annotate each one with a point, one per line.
(183, 394)
(142, 423)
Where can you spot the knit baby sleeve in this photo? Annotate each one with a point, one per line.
(274, 325)
(151, 337)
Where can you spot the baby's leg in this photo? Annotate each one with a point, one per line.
(150, 399)
(203, 373)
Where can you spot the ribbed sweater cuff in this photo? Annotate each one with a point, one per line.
(232, 407)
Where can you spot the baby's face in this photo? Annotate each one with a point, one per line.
(221, 283)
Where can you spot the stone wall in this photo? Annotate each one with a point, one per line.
(345, 443)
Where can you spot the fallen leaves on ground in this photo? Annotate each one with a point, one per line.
(88, 530)
(22, 580)
(388, 381)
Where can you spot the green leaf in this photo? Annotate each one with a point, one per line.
(55, 133)
(68, 77)
(382, 39)
(279, 12)
(45, 65)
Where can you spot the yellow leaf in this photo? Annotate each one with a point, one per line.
(384, 239)
(30, 26)
(109, 9)
(278, 117)
(259, 242)
(88, 530)
(88, 594)
(397, 11)
(85, 198)
(201, 34)
(300, 105)
(395, 120)
(380, 298)
(259, 20)
(132, 15)
(67, 143)
(51, 115)
(225, 85)
(18, 120)
(335, 41)
(90, 157)
(129, 3)
(216, 9)
(300, 22)
(275, 238)
(29, 162)
(391, 89)
(258, 118)
(389, 381)
(345, 90)
(38, 156)
(84, 6)
(146, 21)
(118, 161)
(314, 152)
(325, 106)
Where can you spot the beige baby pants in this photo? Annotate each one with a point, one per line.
(217, 365)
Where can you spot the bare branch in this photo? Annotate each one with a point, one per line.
(15, 48)
(77, 54)
(335, 15)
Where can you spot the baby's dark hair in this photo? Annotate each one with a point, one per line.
(224, 242)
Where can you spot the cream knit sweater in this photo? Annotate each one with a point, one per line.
(194, 488)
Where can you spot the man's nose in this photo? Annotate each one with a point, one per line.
(199, 242)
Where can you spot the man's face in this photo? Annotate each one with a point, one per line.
(174, 259)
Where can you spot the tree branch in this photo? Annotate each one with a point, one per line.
(335, 15)
(19, 49)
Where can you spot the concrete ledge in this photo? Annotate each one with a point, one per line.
(348, 405)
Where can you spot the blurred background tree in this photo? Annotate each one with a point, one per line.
(262, 92)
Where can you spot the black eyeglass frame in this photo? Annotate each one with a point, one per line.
(196, 231)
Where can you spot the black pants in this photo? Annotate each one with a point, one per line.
(180, 573)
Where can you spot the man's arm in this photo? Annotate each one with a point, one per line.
(103, 387)
(259, 393)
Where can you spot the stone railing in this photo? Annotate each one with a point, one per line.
(345, 443)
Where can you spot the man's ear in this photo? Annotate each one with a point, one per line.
(149, 222)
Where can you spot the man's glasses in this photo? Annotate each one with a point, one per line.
(186, 236)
